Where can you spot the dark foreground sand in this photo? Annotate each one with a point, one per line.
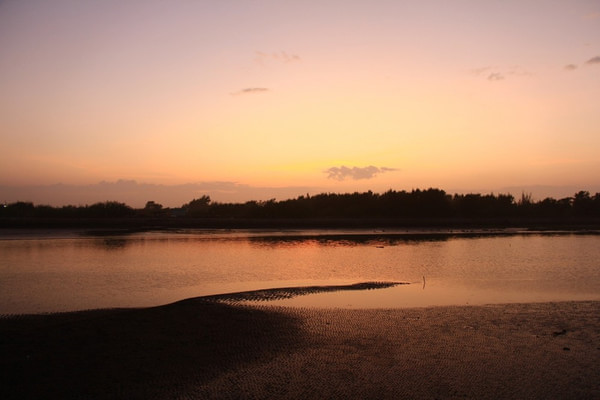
(203, 349)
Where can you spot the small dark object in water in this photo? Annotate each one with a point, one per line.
(563, 332)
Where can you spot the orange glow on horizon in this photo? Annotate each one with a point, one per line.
(204, 93)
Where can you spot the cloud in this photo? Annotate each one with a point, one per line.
(479, 71)
(386, 169)
(517, 70)
(252, 90)
(277, 56)
(593, 60)
(494, 74)
(356, 173)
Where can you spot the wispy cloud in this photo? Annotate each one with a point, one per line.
(479, 71)
(252, 90)
(277, 56)
(356, 173)
(494, 74)
(593, 60)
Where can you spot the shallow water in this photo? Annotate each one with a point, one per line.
(47, 272)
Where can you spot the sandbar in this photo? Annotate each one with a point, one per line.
(208, 349)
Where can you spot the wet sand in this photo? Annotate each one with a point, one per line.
(206, 349)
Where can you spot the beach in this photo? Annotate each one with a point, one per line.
(209, 349)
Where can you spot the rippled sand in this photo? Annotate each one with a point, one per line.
(206, 349)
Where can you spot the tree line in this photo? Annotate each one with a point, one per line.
(416, 204)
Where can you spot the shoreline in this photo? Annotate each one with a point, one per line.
(201, 349)
(150, 223)
(297, 233)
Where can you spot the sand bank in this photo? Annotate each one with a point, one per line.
(202, 349)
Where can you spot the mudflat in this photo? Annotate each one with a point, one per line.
(198, 348)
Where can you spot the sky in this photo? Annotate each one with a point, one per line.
(262, 99)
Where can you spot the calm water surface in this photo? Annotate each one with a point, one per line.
(68, 271)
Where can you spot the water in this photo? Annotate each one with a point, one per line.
(47, 272)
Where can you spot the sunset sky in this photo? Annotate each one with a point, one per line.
(259, 99)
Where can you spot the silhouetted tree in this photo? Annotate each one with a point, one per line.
(582, 203)
(550, 207)
(20, 209)
(419, 204)
(198, 207)
(153, 209)
(109, 209)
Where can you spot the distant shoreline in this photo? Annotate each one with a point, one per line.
(141, 223)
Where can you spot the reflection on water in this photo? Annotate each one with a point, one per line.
(47, 273)
(112, 243)
(346, 240)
